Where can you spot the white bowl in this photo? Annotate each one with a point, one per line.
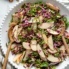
(5, 25)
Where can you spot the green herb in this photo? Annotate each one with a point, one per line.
(29, 60)
(29, 28)
(21, 38)
(67, 40)
(66, 22)
(35, 54)
(56, 54)
(38, 8)
(32, 11)
(49, 20)
(39, 2)
(41, 42)
(38, 62)
(44, 64)
(53, 67)
(57, 38)
(41, 64)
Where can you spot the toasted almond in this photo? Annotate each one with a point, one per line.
(17, 58)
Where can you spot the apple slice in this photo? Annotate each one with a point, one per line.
(34, 42)
(33, 45)
(26, 45)
(52, 7)
(15, 31)
(50, 42)
(41, 53)
(45, 25)
(62, 48)
(26, 54)
(52, 32)
(39, 35)
(52, 51)
(53, 59)
(45, 38)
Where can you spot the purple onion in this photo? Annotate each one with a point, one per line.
(66, 34)
(47, 15)
(30, 34)
(17, 49)
(57, 44)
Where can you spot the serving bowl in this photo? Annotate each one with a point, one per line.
(5, 26)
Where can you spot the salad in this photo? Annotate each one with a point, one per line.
(36, 30)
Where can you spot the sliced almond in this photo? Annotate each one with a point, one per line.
(45, 25)
(45, 38)
(52, 51)
(51, 58)
(52, 32)
(41, 53)
(50, 42)
(26, 45)
(52, 7)
(19, 57)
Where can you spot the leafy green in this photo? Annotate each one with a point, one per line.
(21, 38)
(66, 22)
(32, 11)
(53, 67)
(57, 38)
(38, 62)
(39, 2)
(35, 54)
(56, 54)
(29, 28)
(49, 20)
(44, 64)
(67, 40)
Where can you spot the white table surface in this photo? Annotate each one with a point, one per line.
(4, 8)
